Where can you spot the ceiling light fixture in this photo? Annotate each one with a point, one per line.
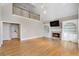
(42, 6)
(44, 12)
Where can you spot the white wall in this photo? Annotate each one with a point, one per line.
(29, 28)
(46, 30)
(6, 30)
(0, 33)
(32, 29)
(0, 27)
(0, 12)
(78, 24)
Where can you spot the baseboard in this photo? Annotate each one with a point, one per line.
(8, 39)
(31, 38)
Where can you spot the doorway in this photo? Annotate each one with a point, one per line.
(11, 31)
(14, 31)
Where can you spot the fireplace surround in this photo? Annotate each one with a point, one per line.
(56, 35)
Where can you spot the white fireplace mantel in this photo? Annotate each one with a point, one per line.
(54, 30)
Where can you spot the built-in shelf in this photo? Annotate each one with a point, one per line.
(24, 13)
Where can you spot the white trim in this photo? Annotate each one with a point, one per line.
(1, 43)
(31, 38)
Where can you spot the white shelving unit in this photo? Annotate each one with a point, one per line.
(69, 30)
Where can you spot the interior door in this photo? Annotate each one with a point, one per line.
(14, 31)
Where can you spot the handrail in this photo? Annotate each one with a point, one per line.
(27, 11)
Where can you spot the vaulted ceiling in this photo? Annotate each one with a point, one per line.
(51, 11)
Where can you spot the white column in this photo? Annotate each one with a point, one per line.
(1, 33)
(78, 25)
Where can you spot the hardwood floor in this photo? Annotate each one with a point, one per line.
(39, 47)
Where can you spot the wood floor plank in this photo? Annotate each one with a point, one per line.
(39, 47)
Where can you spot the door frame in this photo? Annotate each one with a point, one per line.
(18, 30)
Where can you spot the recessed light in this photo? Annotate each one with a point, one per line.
(44, 12)
(42, 6)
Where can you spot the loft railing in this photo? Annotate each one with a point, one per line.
(25, 13)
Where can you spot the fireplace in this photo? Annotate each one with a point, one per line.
(56, 35)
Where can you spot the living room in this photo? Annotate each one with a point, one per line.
(39, 26)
